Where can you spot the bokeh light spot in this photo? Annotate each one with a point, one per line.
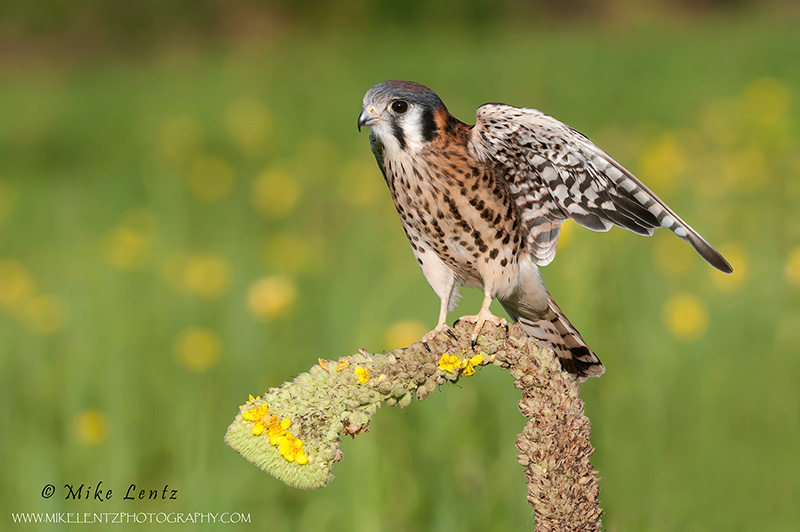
(271, 297)
(686, 317)
(662, 162)
(288, 253)
(206, 275)
(126, 249)
(16, 284)
(793, 266)
(198, 348)
(275, 193)
(90, 426)
(404, 333)
(766, 101)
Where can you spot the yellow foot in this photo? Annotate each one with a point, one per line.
(482, 317)
(442, 327)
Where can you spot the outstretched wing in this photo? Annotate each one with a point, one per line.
(554, 173)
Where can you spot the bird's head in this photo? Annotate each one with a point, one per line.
(403, 115)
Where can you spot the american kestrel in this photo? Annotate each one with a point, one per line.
(483, 205)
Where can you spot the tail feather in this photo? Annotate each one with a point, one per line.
(554, 329)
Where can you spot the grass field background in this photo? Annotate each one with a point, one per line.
(184, 227)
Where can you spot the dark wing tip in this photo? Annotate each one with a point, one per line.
(711, 255)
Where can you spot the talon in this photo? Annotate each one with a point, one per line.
(473, 342)
(426, 346)
(451, 334)
(456, 322)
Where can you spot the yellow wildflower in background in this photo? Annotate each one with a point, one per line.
(90, 426)
(404, 333)
(126, 248)
(686, 317)
(206, 276)
(276, 192)
(792, 268)
(362, 374)
(662, 162)
(290, 254)
(210, 178)
(198, 348)
(16, 284)
(249, 124)
(271, 297)
(766, 101)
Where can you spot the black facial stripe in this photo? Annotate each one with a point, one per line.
(428, 125)
(398, 134)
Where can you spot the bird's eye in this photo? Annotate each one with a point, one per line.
(399, 106)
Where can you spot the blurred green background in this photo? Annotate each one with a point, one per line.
(188, 216)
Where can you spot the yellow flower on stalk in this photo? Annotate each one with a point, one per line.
(362, 374)
(291, 448)
(277, 430)
(250, 400)
(468, 364)
(343, 364)
(255, 413)
(259, 415)
(449, 363)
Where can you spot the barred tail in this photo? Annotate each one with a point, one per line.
(554, 329)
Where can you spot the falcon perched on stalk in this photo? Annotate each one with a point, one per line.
(483, 205)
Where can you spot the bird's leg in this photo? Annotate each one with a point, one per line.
(440, 326)
(482, 317)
